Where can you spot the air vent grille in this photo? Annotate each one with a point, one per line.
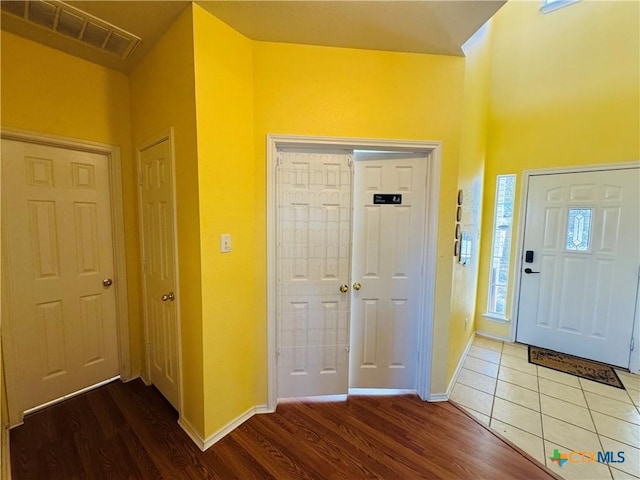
(74, 23)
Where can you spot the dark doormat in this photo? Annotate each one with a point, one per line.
(580, 367)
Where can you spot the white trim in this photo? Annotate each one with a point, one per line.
(146, 374)
(480, 333)
(205, 443)
(5, 471)
(372, 392)
(494, 317)
(438, 397)
(463, 357)
(548, 7)
(425, 326)
(112, 153)
(71, 395)
(526, 174)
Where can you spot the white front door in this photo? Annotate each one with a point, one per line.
(58, 253)
(389, 223)
(313, 249)
(578, 291)
(159, 260)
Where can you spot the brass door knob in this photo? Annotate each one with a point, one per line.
(168, 297)
(107, 282)
(357, 286)
(344, 288)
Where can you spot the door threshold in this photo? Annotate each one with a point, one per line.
(71, 395)
(381, 391)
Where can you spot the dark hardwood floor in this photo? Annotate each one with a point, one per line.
(129, 431)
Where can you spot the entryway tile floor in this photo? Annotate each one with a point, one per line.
(541, 410)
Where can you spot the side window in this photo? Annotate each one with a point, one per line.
(501, 246)
(551, 5)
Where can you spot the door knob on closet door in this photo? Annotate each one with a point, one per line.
(107, 282)
(168, 297)
(357, 286)
(344, 288)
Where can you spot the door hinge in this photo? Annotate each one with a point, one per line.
(350, 160)
(632, 344)
(140, 179)
(348, 348)
(144, 266)
(279, 158)
(147, 347)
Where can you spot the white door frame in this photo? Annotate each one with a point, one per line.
(425, 322)
(146, 374)
(120, 274)
(634, 365)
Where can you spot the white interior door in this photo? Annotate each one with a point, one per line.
(580, 293)
(313, 236)
(58, 254)
(159, 260)
(388, 242)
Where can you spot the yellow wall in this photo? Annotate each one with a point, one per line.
(163, 96)
(564, 92)
(232, 322)
(342, 92)
(50, 92)
(470, 181)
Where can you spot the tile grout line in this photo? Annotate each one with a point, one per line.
(594, 424)
(495, 388)
(544, 445)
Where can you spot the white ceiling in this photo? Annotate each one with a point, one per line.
(419, 26)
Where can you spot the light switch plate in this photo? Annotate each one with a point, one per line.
(225, 243)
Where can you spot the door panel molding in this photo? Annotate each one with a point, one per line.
(433, 150)
(166, 135)
(112, 153)
(522, 211)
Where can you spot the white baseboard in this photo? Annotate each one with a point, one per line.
(133, 377)
(463, 357)
(204, 443)
(437, 397)
(492, 337)
(443, 397)
(145, 379)
(5, 468)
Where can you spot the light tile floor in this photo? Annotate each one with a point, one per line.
(540, 410)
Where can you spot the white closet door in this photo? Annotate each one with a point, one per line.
(314, 236)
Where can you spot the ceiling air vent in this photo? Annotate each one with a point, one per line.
(74, 23)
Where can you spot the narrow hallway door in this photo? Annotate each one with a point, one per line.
(159, 260)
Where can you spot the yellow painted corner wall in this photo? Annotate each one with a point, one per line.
(470, 180)
(341, 92)
(163, 96)
(49, 92)
(233, 318)
(564, 92)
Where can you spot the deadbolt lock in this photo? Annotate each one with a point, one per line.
(344, 288)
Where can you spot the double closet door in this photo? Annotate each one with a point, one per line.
(350, 236)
